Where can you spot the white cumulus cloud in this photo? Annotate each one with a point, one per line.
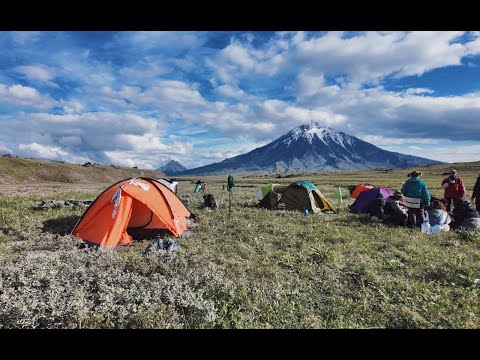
(24, 96)
(38, 73)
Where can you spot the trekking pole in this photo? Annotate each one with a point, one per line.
(229, 203)
(230, 185)
(223, 195)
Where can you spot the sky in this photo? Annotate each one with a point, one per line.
(144, 98)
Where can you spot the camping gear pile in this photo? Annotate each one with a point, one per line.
(210, 202)
(159, 246)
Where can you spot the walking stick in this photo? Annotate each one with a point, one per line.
(230, 185)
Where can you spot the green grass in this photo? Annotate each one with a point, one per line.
(260, 269)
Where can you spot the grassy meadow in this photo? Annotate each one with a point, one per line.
(258, 269)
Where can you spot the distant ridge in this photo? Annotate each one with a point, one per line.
(15, 170)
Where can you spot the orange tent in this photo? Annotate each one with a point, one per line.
(362, 187)
(138, 203)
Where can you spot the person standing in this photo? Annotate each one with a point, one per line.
(454, 188)
(476, 193)
(198, 186)
(416, 188)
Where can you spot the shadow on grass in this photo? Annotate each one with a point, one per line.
(357, 219)
(364, 219)
(61, 226)
(251, 206)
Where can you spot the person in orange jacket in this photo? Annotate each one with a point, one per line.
(454, 188)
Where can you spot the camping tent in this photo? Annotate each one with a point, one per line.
(359, 188)
(300, 195)
(264, 189)
(130, 205)
(366, 197)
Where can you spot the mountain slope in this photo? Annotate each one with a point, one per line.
(311, 148)
(172, 167)
(19, 170)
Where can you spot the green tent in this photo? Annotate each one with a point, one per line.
(300, 195)
(264, 189)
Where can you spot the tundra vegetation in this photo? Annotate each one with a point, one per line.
(260, 269)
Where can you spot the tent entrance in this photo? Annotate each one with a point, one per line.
(143, 224)
(318, 201)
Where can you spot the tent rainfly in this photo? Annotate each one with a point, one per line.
(130, 205)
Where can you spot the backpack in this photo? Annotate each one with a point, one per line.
(209, 201)
(230, 183)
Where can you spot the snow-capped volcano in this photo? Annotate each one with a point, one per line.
(312, 148)
(313, 133)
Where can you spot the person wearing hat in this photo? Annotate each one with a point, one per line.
(476, 193)
(454, 188)
(395, 212)
(416, 188)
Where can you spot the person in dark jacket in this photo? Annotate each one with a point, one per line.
(476, 193)
(416, 188)
(395, 212)
(454, 188)
(376, 208)
(465, 216)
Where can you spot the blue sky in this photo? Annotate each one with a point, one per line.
(142, 98)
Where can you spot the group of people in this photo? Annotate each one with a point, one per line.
(413, 206)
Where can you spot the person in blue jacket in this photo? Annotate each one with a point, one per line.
(416, 188)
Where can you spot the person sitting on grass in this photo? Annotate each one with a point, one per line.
(465, 216)
(395, 212)
(375, 208)
(439, 219)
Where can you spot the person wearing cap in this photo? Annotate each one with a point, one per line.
(395, 212)
(476, 193)
(454, 188)
(416, 188)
